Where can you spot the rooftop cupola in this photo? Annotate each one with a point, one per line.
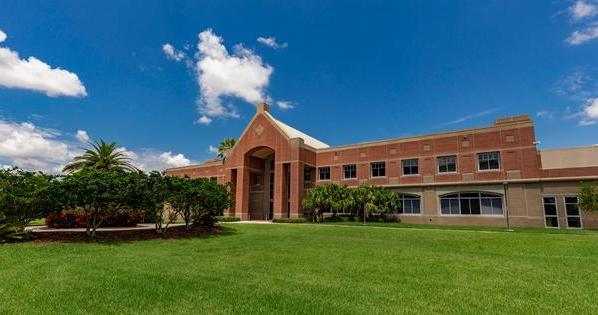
(262, 107)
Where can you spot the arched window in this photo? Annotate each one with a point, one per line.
(471, 203)
(410, 204)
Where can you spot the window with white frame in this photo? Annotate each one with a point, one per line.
(349, 171)
(410, 204)
(447, 164)
(410, 167)
(324, 173)
(573, 213)
(489, 161)
(551, 213)
(471, 203)
(378, 169)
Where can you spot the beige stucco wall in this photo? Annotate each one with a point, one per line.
(524, 200)
(569, 157)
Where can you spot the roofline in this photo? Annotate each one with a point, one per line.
(570, 148)
(424, 136)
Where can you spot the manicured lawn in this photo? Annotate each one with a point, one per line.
(308, 269)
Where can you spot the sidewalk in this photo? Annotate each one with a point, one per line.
(143, 226)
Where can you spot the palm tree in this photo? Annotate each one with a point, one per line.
(101, 156)
(227, 144)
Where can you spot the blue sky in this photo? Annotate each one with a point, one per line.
(351, 71)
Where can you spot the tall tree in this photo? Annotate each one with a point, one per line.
(101, 156)
(227, 144)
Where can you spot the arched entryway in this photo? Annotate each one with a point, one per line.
(261, 165)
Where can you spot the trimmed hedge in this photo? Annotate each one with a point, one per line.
(227, 219)
(78, 219)
(290, 220)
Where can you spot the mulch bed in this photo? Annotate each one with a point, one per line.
(125, 236)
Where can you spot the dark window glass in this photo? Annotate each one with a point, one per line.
(378, 169)
(489, 161)
(306, 175)
(550, 212)
(471, 203)
(410, 167)
(324, 173)
(410, 204)
(573, 213)
(447, 164)
(350, 171)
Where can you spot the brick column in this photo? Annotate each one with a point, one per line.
(242, 197)
(279, 190)
(296, 188)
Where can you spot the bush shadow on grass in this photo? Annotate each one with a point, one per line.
(118, 237)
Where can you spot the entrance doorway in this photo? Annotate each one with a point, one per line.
(261, 183)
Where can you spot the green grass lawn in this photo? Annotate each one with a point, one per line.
(285, 268)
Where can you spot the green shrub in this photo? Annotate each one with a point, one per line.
(224, 218)
(290, 220)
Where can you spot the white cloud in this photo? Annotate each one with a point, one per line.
(582, 9)
(285, 105)
(31, 147)
(242, 75)
(271, 42)
(34, 74)
(82, 136)
(589, 113)
(172, 53)
(154, 160)
(544, 114)
(204, 120)
(583, 36)
(212, 149)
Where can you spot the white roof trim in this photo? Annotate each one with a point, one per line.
(294, 133)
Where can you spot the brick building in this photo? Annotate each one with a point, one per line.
(490, 176)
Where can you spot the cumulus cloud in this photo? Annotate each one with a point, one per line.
(212, 149)
(582, 9)
(241, 74)
(271, 42)
(154, 160)
(583, 36)
(172, 53)
(32, 147)
(285, 105)
(220, 74)
(589, 113)
(34, 74)
(82, 136)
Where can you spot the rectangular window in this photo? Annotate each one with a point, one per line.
(324, 173)
(349, 171)
(573, 213)
(306, 175)
(410, 167)
(256, 179)
(489, 161)
(410, 204)
(551, 214)
(378, 169)
(447, 164)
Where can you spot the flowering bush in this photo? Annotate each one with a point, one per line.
(78, 219)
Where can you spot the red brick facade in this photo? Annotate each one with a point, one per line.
(513, 138)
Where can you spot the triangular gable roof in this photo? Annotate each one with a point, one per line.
(294, 133)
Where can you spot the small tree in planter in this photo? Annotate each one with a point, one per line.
(588, 197)
(149, 192)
